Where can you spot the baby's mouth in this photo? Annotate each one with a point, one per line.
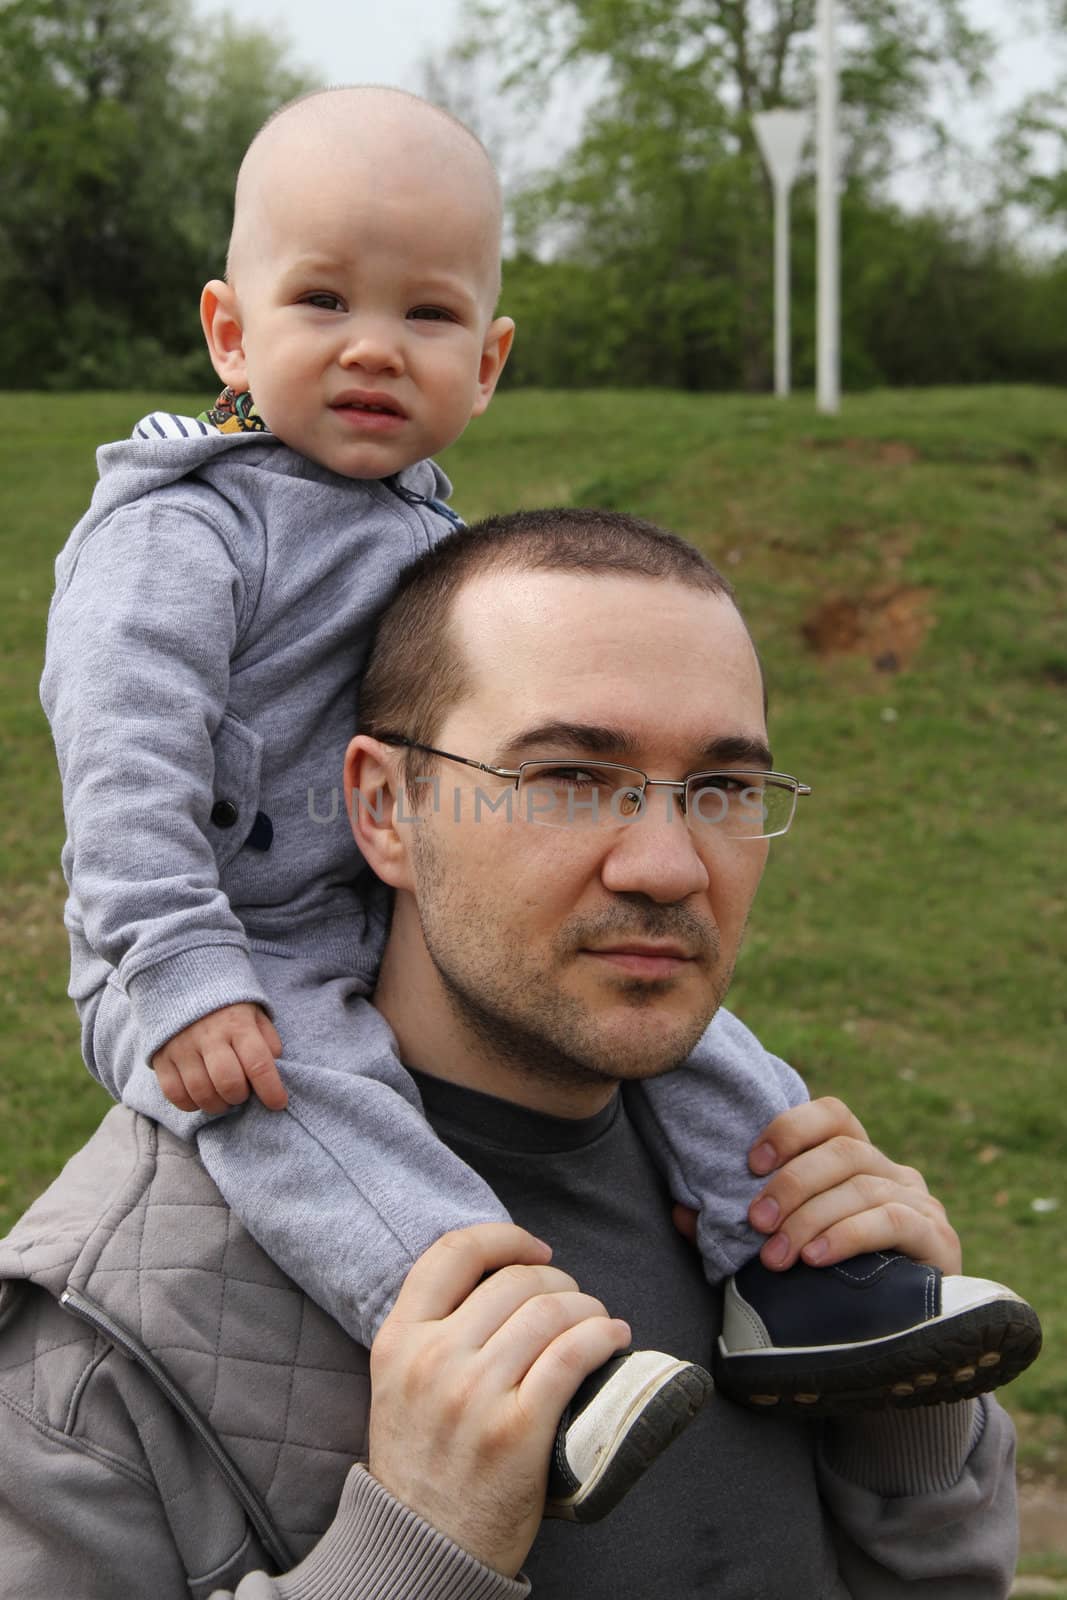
(374, 405)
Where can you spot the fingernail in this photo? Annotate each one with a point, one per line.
(775, 1250)
(764, 1214)
(763, 1158)
(815, 1252)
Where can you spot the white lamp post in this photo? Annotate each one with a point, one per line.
(781, 136)
(828, 251)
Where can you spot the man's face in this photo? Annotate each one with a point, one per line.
(579, 954)
(364, 290)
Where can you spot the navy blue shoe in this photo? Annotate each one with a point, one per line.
(620, 1421)
(879, 1330)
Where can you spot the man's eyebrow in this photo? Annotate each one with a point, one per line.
(590, 738)
(596, 739)
(737, 750)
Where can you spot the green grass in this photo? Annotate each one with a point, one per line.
(1049, 1567)
(908, 948)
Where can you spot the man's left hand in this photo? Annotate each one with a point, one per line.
(832, 1195)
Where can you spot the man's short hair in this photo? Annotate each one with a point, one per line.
(416, 672)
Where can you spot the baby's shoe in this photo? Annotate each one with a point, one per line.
(878, 1330)
(621, 1419)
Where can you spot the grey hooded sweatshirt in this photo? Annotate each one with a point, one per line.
(211, 616)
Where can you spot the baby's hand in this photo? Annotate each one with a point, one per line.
(212, 1064)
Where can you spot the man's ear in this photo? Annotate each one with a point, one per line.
(494, 354)
(220, 319)
(372, 803)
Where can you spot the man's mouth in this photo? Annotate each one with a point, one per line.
(642, 960)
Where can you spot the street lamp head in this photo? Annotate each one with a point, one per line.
(781, 136)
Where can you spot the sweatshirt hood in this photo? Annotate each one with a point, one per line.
(166, 448)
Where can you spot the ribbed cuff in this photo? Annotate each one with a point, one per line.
(379, 1549)
(899, 1453)
(167, 996)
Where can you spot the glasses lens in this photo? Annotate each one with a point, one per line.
(739, 805)
(556, 794)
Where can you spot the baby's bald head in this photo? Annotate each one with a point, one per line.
(374, 135)
(363, 275)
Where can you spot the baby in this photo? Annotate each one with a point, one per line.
(212, 613)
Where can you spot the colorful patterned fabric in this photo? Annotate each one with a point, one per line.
(234, 413)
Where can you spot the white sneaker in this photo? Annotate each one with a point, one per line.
(621, 1419)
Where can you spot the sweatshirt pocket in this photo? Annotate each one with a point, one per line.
(238, 754)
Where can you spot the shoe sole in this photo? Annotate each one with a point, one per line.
(964, 1356)
(656, 1416)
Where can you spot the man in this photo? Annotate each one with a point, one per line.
(530, 970)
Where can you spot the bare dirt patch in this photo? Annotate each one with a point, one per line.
(1042, 1519)
(887, 625)
(886, 452)
(1043, 1516)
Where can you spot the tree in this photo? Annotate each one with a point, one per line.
(1033, 152)
(119, 138)
(236, 78)
(665, 191)
(927, 300)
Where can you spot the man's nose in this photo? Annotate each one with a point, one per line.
(372, 344)
(655, 854)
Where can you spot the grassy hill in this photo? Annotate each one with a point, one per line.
(905, 573)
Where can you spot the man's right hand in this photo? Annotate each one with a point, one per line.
(469, 1377)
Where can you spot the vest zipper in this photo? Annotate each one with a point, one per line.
(88, 1310)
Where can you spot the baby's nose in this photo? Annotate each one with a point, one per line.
(373, 347)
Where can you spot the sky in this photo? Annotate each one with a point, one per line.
(370, 41)
(352, 41)
(386, 41)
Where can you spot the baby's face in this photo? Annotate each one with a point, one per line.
(365, 300)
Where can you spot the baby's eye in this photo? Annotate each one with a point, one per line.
(431, 314)
(323, 301)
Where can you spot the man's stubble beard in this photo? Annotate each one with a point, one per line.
(554, 1039)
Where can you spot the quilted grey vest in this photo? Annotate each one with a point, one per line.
(135, 1242)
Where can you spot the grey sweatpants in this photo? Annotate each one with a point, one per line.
(348, 1186)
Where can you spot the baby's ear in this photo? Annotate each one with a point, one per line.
(494, 353)
(220, 319)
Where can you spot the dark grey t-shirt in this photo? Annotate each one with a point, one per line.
(731, 1511)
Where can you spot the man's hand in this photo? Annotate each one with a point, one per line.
(469, 1377)
(833, 1195)
(213, 1063)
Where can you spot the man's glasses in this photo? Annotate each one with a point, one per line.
(573, 793)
